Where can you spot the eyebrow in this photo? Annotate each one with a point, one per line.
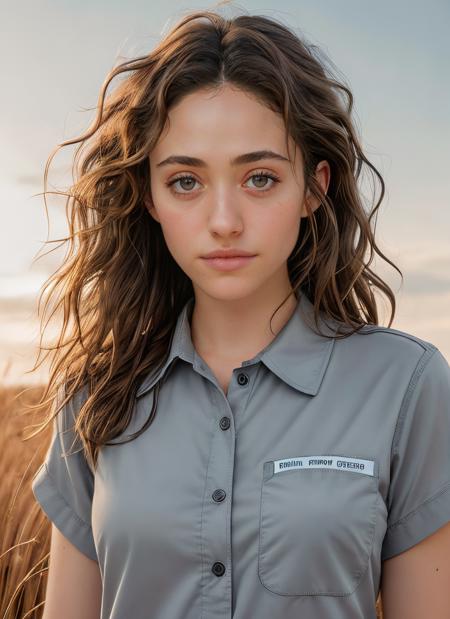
(256, 155)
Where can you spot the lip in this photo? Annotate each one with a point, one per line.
(228, 253)
(229, 264)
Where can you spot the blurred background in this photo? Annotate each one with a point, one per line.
(393, 55)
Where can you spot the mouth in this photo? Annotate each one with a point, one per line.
(228, 263)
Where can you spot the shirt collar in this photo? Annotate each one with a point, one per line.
(297, 354)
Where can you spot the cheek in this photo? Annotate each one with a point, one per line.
(281, 228)
(179, 233)
(171, 228)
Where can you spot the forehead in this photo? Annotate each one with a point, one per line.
(226, 121)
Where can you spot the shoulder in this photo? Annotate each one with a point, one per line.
(375, 344)
(396, 337)
(69, 412)
(65, 420)
(397, 359)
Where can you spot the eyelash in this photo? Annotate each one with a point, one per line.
(260, 173)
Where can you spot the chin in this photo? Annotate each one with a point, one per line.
(237, 290)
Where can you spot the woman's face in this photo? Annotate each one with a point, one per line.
(228, 200)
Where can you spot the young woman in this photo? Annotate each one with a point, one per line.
(235, 435)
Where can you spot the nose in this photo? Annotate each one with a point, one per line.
(225, 216)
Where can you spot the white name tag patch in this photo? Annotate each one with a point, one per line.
(341, 463)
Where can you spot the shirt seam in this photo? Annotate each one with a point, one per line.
(369, 329)
(205, 487)
(249, 395)
(52, 479)
(442, 490)
(404, 407)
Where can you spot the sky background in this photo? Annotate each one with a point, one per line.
(393, 55)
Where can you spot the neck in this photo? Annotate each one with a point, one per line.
(236, 330)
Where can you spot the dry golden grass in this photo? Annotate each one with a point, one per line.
(25, 530)
(25, 534)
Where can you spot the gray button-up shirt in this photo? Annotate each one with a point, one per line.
(278, 499)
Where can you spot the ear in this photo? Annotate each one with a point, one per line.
(322, 175)
(151, 207)
(313, 202)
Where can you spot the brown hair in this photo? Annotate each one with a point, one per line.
(120, 288)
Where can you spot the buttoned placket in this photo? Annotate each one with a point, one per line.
(217, 594)
(227, 412)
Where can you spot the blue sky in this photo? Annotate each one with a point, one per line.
(393, 55)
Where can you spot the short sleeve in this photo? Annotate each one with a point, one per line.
(419, 494)
(64, 483)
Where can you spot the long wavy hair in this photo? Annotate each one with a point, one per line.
(119, 288)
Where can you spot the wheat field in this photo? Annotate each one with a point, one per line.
(25, 530)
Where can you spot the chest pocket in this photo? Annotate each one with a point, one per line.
(317, 524)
